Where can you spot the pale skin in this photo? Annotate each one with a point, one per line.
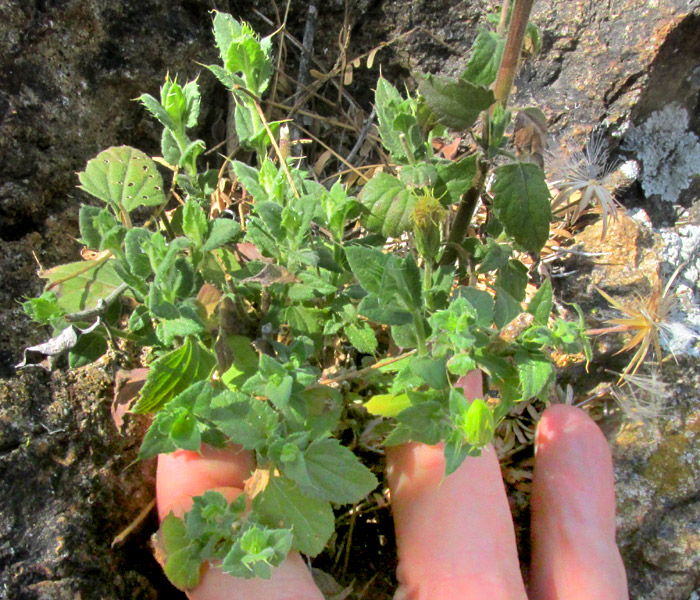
(455, 536)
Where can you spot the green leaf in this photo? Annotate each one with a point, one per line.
(256, 551)
(80, 285)
(311, 520)
(512, 278)
(169, 329)
(170, 148)
(139, 263)
(87, 350)
(423, 422)
(379, 312)
(305, 320)
(454, 179)
(404, 336)
(419, 175)
(194, 222)
(387, 405)
(496, 256)
(482, 302)
(456, 450)
(158, 111)
(487, 51)
(431, 370)
(184, 432)
(88, 231)
(191, 152)
(123, 176)
(401, 281)
(534, 371)
(456, 103)
(541, 304)
(387, 100)
(172, 373)
(173, 534)
(336, 474)
(43, 309)
(362, 337)
(367, 264)
(182, 568)
(522, 204)
(390, 204)
(221, 231)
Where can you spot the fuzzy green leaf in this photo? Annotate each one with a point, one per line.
(336, 474)
(173, 373)
(90, 236)
(362, 336)
(454, 179)
(182, 567)
(456, 103)
(487, 51)
(194, 222)
(380, 312)
(221, 231)
(80, 285)
(123, 176)
(534, 371)
(158, 111)
(541, 304)
(367, 264)
(139, 263)
(311, 520)
(390, 204)
(522, 204)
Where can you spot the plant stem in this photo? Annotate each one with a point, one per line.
(503, 22)
(465, 212)
(102, 305)
(420, 334)
(511, 53)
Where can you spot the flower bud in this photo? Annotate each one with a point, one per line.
(428, 216)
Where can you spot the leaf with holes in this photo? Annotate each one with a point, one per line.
(123, 177)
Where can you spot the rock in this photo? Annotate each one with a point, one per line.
(68, 73)
(657, 474)
(75, 486)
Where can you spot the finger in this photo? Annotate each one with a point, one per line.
(573, 512)
(455, 535)
(184, 474)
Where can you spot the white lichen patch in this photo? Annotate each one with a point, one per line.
(669, 154)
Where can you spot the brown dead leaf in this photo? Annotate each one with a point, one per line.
(256, 483)
(270, 274)
(530, 135)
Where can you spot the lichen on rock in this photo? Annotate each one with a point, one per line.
(670, 155)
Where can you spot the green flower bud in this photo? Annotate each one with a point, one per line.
(428, 216)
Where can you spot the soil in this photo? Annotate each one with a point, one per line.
(69, 70)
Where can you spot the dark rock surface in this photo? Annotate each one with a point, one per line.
(69, 70)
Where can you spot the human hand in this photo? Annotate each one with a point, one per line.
(455, 536)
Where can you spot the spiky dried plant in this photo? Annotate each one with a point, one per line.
(648, 319)
(588, 173)
(642, 397)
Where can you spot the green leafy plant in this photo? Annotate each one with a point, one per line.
(241, 342)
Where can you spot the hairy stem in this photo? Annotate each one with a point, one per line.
(465, 212)
(511, 53)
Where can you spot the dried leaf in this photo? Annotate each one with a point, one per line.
(256, 483)
(51, 351)
(270, 274)
(530, 135)
(371, 56)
